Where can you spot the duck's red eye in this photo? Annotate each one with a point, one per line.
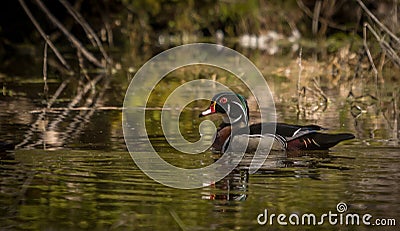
(223, 100)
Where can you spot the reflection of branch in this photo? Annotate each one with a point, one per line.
(84, 116)
(72, 38)
(43, 34)
(65, 111)
(52, 127)
(320, 91)
(35, 125)
(19, 197)
(75, 101)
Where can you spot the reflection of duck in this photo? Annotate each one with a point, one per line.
(232, 188)
(287, 137)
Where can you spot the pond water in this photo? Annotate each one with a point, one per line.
(71, 169)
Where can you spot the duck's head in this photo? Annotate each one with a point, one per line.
(233, 106)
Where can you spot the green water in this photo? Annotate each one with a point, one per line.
(73, 190)
(71, 169)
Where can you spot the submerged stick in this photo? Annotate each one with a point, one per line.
(71, 38)
(43, 34)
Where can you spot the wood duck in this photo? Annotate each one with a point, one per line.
(289, 137)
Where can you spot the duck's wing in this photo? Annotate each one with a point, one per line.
(283, 129)
(317, 141)
(308, 137)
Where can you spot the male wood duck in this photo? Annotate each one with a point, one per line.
(289, 137)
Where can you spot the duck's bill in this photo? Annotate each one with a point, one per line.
(209, 111)
(206, 113)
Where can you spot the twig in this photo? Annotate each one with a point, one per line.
(107, 28)
(84, 108)
(377, 21)
(300, 69)
(384, 45)
(317, 11)
(177, 219)
(396, 127)
(368, 52)
(72, 38)
(94, 39)
(78, 18)
(45, 88)
(110, 37)
(321, 19)
(394, 16)
(299, 79)
(381, 64)
(58, 92)
(82, 66)
(43, 34)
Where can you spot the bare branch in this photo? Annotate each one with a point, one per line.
(317, 11)
(385, 46)
(72, 38)
(43, 34)
(45, 88)
(94, 39)
(371, 60)
(376, 20)
(321, 19)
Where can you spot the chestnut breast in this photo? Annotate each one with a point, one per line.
(220, 137)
